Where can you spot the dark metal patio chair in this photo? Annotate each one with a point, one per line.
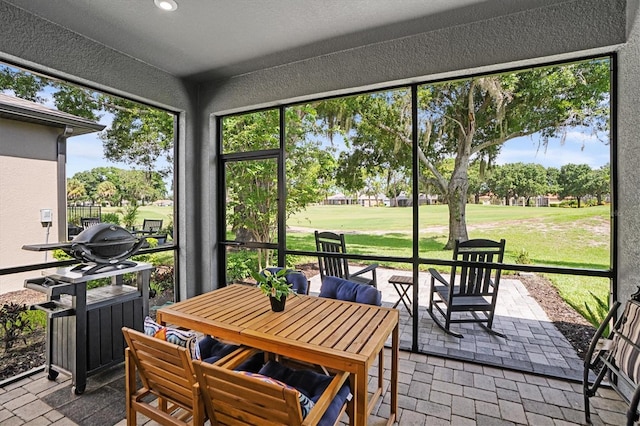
(616, 357)
(472, 289)
(329, 242)
(151, 226)
(88, 222)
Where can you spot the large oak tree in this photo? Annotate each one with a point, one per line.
(469, 120)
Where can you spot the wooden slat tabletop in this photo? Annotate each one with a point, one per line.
(341, 335)
(316, 324)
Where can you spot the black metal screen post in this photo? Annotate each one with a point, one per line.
(416, 223)
(282, 192)
(613, 185)
(221, 209)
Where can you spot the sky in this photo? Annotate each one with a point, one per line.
(85, 152)
(578, 148)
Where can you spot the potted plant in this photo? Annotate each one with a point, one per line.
(275, 286)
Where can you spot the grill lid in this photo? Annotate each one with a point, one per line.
(105, 243)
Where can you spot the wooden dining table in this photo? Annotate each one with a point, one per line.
(338, 335)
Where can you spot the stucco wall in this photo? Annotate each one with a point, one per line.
(28, 140)
(20, 215)
(627, 215)
(28, 165)
(563, 30)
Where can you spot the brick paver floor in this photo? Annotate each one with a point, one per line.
(531, 377)
(432, 391)
(532, 344)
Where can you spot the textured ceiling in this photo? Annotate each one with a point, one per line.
(220, 38)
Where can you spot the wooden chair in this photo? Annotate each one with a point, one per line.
(617, 357)
(166, 371)
(472, 289)
(329, 242)
(233, 398)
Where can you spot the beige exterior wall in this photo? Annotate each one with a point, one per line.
(28, 140)
(20, 215)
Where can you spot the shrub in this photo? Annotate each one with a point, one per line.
(240, 264)
(523, 258)
(162, 278)
(129, 214)
(569, 203)
(15, 324)
(596, 316)
(61, 255)
(111, 218)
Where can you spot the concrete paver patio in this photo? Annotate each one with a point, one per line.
(531, 377)
(532, 344)
(432, 391)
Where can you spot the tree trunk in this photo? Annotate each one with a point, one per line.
(457, 202)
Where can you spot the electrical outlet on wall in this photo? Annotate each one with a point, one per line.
(46, 217)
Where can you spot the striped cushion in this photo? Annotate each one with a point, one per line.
(186, 339)
(305, 403)
(626, 341)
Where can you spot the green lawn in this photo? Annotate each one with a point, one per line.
(400, 218)
(577, 238)
(147, 212)
(551, 236)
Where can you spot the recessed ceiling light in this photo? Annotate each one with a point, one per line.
(168, 5)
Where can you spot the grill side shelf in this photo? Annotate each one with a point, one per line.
(50, 287)
(54, 309)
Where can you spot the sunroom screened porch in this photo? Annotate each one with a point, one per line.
(550, 23)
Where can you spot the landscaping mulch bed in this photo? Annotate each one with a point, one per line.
(577, 330)
(572, 325)
(28, 353)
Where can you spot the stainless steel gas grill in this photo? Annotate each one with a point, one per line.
(84, 326)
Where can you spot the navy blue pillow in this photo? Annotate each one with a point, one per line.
(311, 384)
(212, 350)
(341, 289)
(253, 364)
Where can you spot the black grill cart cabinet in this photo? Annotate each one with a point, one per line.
(84, 333)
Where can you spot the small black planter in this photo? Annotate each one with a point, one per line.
(277, 305)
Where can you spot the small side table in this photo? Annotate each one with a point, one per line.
(402, 284)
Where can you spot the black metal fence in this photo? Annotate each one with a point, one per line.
(74, 213)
